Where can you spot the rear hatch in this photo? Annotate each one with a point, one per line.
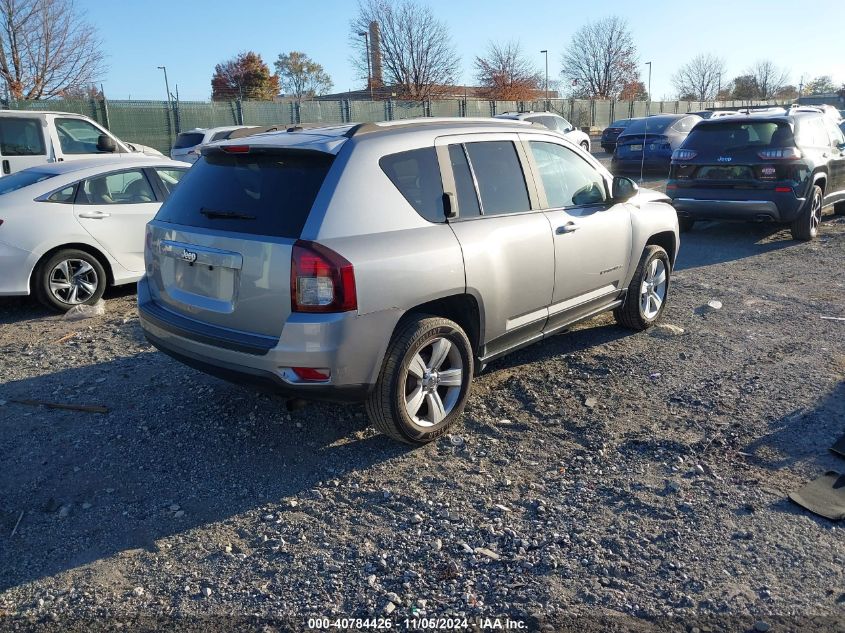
(219, 250)
(186, 147)
(737, 154)
(633, 145)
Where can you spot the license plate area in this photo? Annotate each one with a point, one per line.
(200, 277)
(636, 148)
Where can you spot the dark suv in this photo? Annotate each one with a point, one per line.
(778, 168)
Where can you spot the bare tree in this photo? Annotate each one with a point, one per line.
(417, 54)
(601, 59)
(302, 77)
(700, 77)
(46, 48)
(506, 74)
(768, 77)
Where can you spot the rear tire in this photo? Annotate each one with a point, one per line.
(424, 382)
(69, 278)
(647, 292)
(685, 224)
(806, 226)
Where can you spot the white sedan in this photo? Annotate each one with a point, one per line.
(68, 229)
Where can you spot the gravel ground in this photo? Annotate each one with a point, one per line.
(602, 480)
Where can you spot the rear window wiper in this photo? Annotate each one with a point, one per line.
(213, 214)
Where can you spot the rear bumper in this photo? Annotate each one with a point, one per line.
(16, 265)
(736, 205)
(350, 346)
(657, 163)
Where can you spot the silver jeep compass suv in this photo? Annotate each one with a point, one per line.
(386, 263)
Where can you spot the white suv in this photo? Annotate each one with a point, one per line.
(30, 138)
(554, 122)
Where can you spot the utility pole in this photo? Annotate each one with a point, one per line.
(366, 37)
(166, 83)
(546, 53)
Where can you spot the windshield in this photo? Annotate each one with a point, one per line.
(188, 139)
(22, 179)
(735, 135)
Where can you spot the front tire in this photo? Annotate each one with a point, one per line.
(424, 382)
(69, 278)
(585, 145)
(806, 226)
(647, 292)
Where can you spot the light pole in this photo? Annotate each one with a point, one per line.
(645, 130)
(546, 53)
(166, 84)
(366, 37)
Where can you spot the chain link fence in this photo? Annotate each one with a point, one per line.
(156, 123)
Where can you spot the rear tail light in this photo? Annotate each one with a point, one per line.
(684, 154)
(782, 153)
(783, 189)
(320, 280)
(235, 149)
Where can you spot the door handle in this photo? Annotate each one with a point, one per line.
(7, 169)
(569, 227)
(94, 215)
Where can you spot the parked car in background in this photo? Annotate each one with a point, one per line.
(648, 143)
(68, 229)
(29, 138)
(187, 145)
(783, 168)
(827, 110)
(554, 122)
(612, 132)
(384, 262)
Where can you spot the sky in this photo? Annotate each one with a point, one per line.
(190, 36)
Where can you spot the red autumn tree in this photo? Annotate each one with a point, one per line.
(244, 77)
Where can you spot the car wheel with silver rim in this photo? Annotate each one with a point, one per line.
(69, 278)
(806, 225)
(424, 383)
(647, 292)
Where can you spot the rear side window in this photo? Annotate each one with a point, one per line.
(416, 174)
(170, 178)
(21, 137)
(736, 135)
(686, 124)
(812, 133)
(501, 182)
(188, 139)
(467, 198)
(256, 193)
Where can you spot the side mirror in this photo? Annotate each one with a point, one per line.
(105, 143)
(450, 207)
(623, 189)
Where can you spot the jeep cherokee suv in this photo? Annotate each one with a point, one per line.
(780, 168)
(386, 263)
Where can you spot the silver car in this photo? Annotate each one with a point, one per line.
(387, 263)
(554, 122)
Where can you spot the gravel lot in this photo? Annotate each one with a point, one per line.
(600, 480)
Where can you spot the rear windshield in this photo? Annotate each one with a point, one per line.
(735, 135)
(188, 139)
(652, 125)
(262, 194)
(22, 179)
(621, 123)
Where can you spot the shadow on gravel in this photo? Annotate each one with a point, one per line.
(719, 242)
(800, 442)
(91, 486)
(16, 309)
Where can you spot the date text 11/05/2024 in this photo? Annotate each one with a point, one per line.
(417, 624)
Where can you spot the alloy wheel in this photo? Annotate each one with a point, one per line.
(433, 383)
(816, 213)
(73, 281)
(653, 289)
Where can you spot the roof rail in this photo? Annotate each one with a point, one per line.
(366, 128)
